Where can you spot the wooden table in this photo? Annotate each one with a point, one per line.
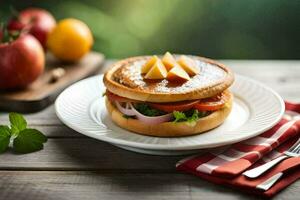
(73, 166)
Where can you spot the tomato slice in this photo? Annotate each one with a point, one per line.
(213, 103)
(178, 106)
(113, 97)
(209, 104)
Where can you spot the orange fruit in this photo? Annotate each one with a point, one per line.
(70, 40)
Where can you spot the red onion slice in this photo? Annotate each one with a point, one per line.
(129, 110)
(126, 111)
(151, 120)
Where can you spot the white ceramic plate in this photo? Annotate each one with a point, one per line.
(256, 108)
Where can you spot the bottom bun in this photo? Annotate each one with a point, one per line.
(170, 129)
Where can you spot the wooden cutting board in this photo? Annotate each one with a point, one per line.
(44, 90)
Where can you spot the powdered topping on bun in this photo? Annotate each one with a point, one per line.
(130, 75)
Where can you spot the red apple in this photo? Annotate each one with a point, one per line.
(22, 61)
(38, 22)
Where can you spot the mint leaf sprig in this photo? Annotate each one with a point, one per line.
(5, 135)
(24, 140)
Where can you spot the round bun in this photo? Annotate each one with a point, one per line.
(125, 79)
(170, 129)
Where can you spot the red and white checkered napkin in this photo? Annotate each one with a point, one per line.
(226, 167)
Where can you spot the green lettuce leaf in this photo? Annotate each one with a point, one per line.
(190, 116)
(145, 109)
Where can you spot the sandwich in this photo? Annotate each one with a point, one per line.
(169, 95)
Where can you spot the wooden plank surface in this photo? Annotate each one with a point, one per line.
(86, 154)
(94, 185)
(73, 166)
(77, 185)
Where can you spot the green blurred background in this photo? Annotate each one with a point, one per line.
(233, 29)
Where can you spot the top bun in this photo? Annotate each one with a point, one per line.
(124, 78)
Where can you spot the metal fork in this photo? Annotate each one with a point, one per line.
(294, 151)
